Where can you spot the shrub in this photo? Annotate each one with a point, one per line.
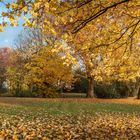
(80, 86)
(112, 90)
(48, 92)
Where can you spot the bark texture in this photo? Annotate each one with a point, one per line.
(90, 92)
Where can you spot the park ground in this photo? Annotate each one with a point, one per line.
(68, 118)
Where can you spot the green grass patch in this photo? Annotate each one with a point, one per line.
(32, 107)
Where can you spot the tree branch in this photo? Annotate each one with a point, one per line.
(83, 23)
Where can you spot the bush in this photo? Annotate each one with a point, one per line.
(7, 94)
(80, 86)
(113, 90)
(42, 92)
(48, 92)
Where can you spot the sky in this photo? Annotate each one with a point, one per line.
(10, 34)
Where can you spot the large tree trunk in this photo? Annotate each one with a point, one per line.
(90, 91)
(137, 87)
(138, 95)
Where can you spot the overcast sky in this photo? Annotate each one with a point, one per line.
(9, 35)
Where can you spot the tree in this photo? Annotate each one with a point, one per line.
(4, 63)
(107, 63)
(47, 68)
(81, 12)
(36, 64)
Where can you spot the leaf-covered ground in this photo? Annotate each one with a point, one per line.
(63, 119)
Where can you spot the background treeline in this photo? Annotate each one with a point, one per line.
(34, 68)
(114, 89)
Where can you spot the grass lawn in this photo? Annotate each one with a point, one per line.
(32, 118)
(35, 107)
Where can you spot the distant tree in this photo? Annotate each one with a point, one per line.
(5, 62)
(36, 64)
